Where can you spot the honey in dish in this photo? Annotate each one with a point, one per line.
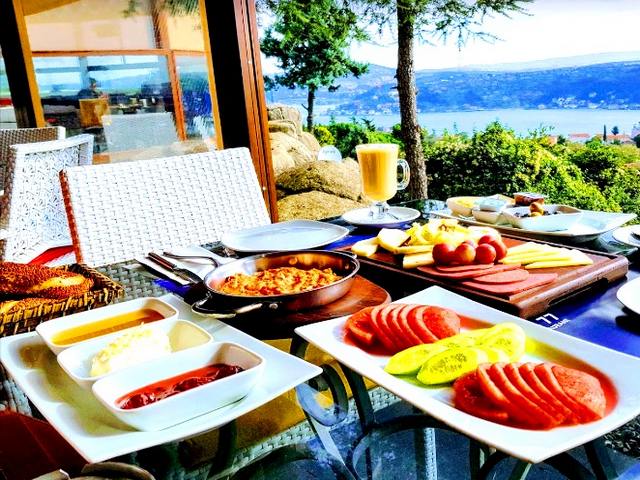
(105, 326)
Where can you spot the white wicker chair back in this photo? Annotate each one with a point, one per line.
(32, 213)
(15, 136)
(124, 210)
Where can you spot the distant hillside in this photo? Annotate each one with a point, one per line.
(601, 86)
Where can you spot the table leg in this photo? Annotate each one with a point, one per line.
(599, 460)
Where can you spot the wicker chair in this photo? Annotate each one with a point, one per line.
(124, 210)
(12, 136)
(32, 215)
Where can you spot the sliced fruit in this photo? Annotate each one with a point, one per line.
(495, 355)
(527, 370)
(442, 322)
(392, 331)
(403, 335)
(496, 396)
(469, 397)
(391, 238)
(381, 333)
(512, 371)
(416, 323)
(545, 374)
(458, 341)
(535, 415)
(475, 334)
(446, 366)
(508, 337)
(583, 388)
(365, 248)
(409, 361)
(403, 321)
(360, 327)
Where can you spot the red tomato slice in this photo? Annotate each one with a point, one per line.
(403, 321)
(442, 322)
(469, 397)
(403, 334)
(359, 325)
(583, 388)
(528, 374)
(395, 336)
(380, 332)
(416, 323)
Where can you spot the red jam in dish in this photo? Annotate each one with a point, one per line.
(171, 386)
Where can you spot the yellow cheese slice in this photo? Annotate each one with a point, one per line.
(559, 263)
(417, 260)
(557, 253)
(391, 238)
(407, 250)
(365, 248)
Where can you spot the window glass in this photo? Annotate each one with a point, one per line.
(7, 115)
(133, 74)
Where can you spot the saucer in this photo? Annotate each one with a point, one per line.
(623, 235)
(395, 217)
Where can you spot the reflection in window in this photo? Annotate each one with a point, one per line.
(7, 114)
(119, 75)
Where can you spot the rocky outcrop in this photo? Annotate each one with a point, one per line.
(308, 188)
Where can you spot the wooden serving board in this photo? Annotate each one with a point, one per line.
(265, 325)
(571, 281)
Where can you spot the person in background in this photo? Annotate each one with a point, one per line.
(92, 91)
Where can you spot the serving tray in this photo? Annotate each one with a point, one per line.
(571, 281)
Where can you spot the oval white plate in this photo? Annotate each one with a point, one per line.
(361, 217)
(624, 235)
(279, 237)
(628, 295)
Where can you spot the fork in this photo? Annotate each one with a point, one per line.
(213, 261)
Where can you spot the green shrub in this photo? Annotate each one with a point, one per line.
(347, 136)
(323, 135)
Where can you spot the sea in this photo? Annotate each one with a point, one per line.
(556, 122)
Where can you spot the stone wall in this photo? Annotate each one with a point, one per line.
(308, 188)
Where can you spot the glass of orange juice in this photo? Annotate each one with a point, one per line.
(379, 172)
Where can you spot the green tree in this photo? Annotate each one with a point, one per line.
(424, 19)
(310, 39)
(615, 130)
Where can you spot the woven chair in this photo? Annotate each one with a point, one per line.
(32, 214)
(15, 136)
(124, 210)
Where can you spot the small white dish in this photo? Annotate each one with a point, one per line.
(396, 217)
(279, 237)
(486, 216)
(624, 235)
(48, 330)
(628, 295)
(187, 404)
(460, 205)
(76, 361)
(553, 222)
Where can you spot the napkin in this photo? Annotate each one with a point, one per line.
(197, 266)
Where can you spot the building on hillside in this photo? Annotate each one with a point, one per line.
(579, 137)
(622, 138)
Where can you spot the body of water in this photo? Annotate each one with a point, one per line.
(560, 122)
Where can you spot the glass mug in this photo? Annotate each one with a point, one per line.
(379, 173)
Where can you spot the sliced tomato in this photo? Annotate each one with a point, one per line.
(442, 322)
(469, 397)
(402, 334)
(546, 376)
(533, 413)
(380, 331)
(583, 388)
(528, 374)
(394, 334)
(417, 325)
(403, 321)
(360, 327)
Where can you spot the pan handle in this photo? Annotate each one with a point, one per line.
(198, 308)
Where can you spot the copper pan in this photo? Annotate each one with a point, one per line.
(223, 305)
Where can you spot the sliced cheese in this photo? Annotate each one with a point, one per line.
(410, 249)
(529, 247)
(554, 252)
(417, 260)
(391, 238)
(365, 248)
(576, 258)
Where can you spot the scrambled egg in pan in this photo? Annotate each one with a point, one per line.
(278, 281)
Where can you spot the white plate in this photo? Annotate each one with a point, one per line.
(624, 235)
(529, 445)
(361, 217)
(628, 295)
(279, 237)
(591, 225)
(94, 432)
